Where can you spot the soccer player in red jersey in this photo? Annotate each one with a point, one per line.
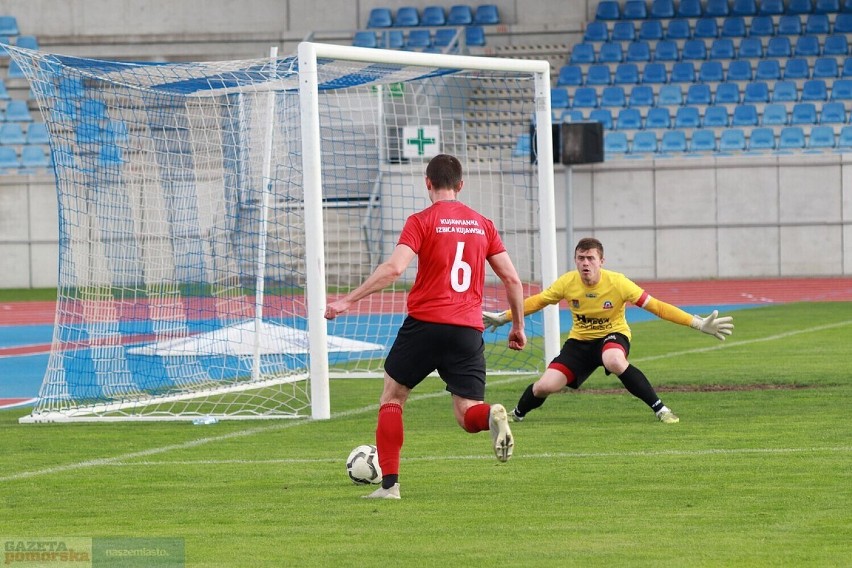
(443, 328)
(600, 336)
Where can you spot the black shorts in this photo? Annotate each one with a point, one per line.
(456, 352)
(583, 357)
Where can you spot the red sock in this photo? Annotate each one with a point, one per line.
(389, 437)
(476, 418)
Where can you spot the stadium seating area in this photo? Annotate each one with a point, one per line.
(671, 78)
(432, 29)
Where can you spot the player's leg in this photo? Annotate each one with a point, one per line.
(477, 416)
(570, 368)
(390, 436)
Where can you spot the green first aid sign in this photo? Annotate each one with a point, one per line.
(421, 141)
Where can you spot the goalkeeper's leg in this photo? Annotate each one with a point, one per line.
(553, 380)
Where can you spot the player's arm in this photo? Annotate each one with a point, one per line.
(383, 276)
(712, 324)
(502, 265)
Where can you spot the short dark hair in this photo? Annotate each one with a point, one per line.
(589, 243)
(444, 171)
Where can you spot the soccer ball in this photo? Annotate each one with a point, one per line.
(362, 465)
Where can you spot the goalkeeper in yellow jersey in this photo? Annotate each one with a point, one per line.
(600, 335)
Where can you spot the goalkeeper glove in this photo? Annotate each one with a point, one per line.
(714, 325)
(493, 320)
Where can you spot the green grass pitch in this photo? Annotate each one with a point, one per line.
(757, 473)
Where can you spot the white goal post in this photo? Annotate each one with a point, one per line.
(208, 210)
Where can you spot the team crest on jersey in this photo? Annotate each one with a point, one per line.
(575, 304)
(607, 305)
(591, 295)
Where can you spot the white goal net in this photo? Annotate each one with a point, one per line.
(207, 210)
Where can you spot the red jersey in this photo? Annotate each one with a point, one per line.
(452, 242)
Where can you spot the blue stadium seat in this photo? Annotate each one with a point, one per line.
(14, 71)
(689, 9)
(789, 24)
(666, 50)
(380, 18)
(844, 139)
(791, 138)
(743, 8)
(571, 75)
(418, 39)
(761, 26)
(583, 53)
(4, 92)
(711, 72)
(474, 36)
(644, 142)
(658, 117)
(610, 52)
(37, 134)
(114, 131)
(585, 97)
(8, 159)
(827, 6)
(673, 142)
(722, 48)
(744, 115)
(821, 138)
(797, 68)
(655, 73)
(739, 70)
(817, 24)
(406, 17)
(846, 70)
(615, 143)
(27, 42)
(750, 48)
(774, 114)
(596, 31)
(634, 10)
(628, 119)
(626, 74)
(715, 116)
(9, 26)
(559, 97)
(445, 36)
(814, 90)
(433, 16)
(703, 140)
(771, 7)
(843, 23)
(768, 70)
(756, 92)
(803, 113)
(33, 157)
(662, 9)
(687, 117)
(726, 93)
(18, 110)
(571, 115)
(364, 38)
(733, 27)
(778, 46)
(705, 28)
(393, 39)
(63, 156)
(785, 91)
(835, 44)
(608, 10)
(825, 68)
(460, 15)
(638, 51)
(699, 94)
(761, 139)
(841, 90)
(832, 113)
(731, 140)
(11, 133)
(716, 8)
(694, 49)
(523, 146)
(88, 132)
(486, 15)
(807, 46)
(682, 72)
(598, 74)
(678, 29)
(613, 97)
(670, 95)
(602, 115)
(799, 7)
(641, 96)
(623, 31)
(651, 30)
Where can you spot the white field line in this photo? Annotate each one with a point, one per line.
(120, 459)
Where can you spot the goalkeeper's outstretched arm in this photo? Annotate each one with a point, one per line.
(711, 325)
(505, 270)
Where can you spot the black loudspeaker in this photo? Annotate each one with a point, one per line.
(557, 141)
(582, 143)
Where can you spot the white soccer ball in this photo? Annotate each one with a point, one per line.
(362, 465)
